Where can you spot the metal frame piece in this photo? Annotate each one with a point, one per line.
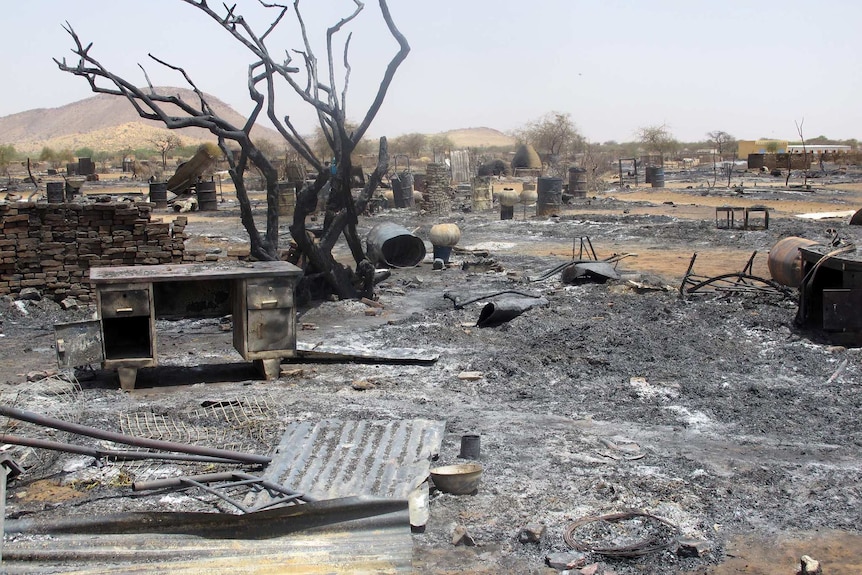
(232, 479)
(736, 282)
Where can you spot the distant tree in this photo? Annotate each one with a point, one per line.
(771, 147)
(165, 143)
(439, 143)
(411, 144)
(48, 155)
(102, 159)
(7, 156)
(658, 139)
(84, 152)
(720, 142)
(555, 137)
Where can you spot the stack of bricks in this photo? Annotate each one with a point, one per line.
(52, 247)
(438, 199)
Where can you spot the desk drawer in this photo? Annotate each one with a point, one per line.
(128, 303)
(276, 293)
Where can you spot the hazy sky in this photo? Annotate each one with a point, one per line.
(748, 68)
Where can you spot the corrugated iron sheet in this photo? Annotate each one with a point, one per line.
(353, 535)
(336, 458)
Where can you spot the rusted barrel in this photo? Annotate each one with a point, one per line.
(577, 182)
(206, 192)
(286, 198)
(550, 196)
(159, 195)
(55, 192)
(785, 261)
(655, 176)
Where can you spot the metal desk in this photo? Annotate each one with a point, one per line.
(259, 296)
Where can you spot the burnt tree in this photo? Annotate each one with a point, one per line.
(317, 87)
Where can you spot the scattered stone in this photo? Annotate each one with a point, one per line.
(461, 537)
(567, 560)
(590, 569)
(470, 375)
(69, 303)
(39, 375)
(693, 548)
(809, 566)
(531, 533)
(308, 326)
(30, 294)
(362, 385)
(296, 372)
(372, 312)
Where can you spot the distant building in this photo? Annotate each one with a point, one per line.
(747, 147)
(819, 149)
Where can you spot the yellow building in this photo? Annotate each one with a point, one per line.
(747, 147)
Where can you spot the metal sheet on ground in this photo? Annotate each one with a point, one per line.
(353, 535)
(336, 458)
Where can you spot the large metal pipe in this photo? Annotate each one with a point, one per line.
(394, 245)
(46, 421)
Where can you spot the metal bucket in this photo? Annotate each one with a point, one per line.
(402, 188)
(56, 192)
(206, 192)
(394, 245)
(159, 195)
(286, 198)
(577, 182)
(550, 196)
(655, 176)
(785, 261)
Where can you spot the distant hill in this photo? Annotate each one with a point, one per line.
(110, 123)
(107, 123)
(478, 137)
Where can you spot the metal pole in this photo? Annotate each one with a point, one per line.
(46, 421)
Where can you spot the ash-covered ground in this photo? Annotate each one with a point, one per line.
(713, 411)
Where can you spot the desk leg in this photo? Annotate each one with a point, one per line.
(270, 368)
(127, 377)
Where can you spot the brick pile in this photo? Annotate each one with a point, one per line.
(52, 247)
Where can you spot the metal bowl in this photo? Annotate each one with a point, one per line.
(457, 479)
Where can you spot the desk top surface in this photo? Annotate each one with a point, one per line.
(192, 272)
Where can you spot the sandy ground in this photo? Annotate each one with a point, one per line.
(744, 428)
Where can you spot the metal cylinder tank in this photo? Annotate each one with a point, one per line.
(394, 245)
(655, 176)
(55, 192)
(577, 182)
(206, 192)
(785, 261)
(286, 198)
(550, 196)
(159, 195)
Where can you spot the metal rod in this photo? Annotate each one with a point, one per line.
(46, 421)
(99, 453)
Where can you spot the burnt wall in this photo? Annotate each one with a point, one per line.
(52, 247)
